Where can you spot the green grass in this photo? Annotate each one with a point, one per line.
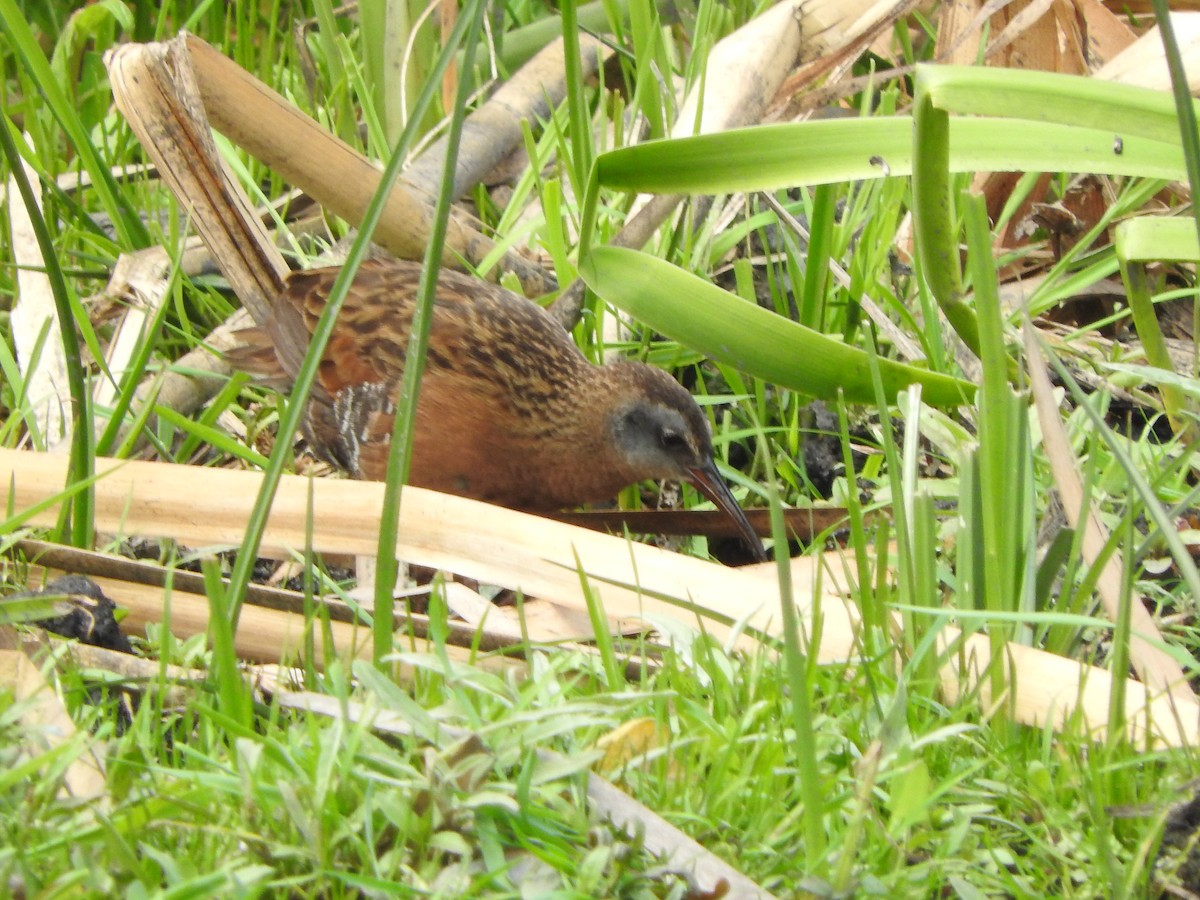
(857, 778)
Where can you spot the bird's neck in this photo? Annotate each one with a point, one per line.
(582, 434)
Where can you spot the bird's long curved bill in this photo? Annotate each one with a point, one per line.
(710, 483)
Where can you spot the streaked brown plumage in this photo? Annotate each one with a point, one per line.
(509, 411)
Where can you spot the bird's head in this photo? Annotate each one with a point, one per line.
(659, 432)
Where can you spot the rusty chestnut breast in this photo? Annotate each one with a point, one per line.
(509, 410)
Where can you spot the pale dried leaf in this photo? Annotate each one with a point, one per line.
(45, 722)
(1155, 666)
(1143, 64)
(143, 297)
(204, 506)
(35, 318)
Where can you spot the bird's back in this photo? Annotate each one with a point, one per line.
(480, 332)
(501, 378)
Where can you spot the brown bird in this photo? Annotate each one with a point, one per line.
(509, 411)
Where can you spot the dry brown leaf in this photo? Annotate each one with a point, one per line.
(1107, 34)
(628, 741)
(1023, 34)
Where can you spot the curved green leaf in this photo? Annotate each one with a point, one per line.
(705, 318)
(1069, 100)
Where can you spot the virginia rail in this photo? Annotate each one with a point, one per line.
(509, 412)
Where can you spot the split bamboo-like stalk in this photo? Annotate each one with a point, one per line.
(170, 93)
(155, 87)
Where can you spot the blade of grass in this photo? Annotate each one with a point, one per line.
(580, 125)
(232, 690)
(600, 628)
(1003, 452)
(796, 659)
(933, 216)
(1185, 109)
(1145, 320)
(1050, 97)
(466, 33)
(80, 468)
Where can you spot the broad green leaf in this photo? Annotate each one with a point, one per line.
(776, 156)
(760, 343)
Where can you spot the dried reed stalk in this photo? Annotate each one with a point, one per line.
(548, 559)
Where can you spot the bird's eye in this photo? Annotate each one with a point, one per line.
(670, 439)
